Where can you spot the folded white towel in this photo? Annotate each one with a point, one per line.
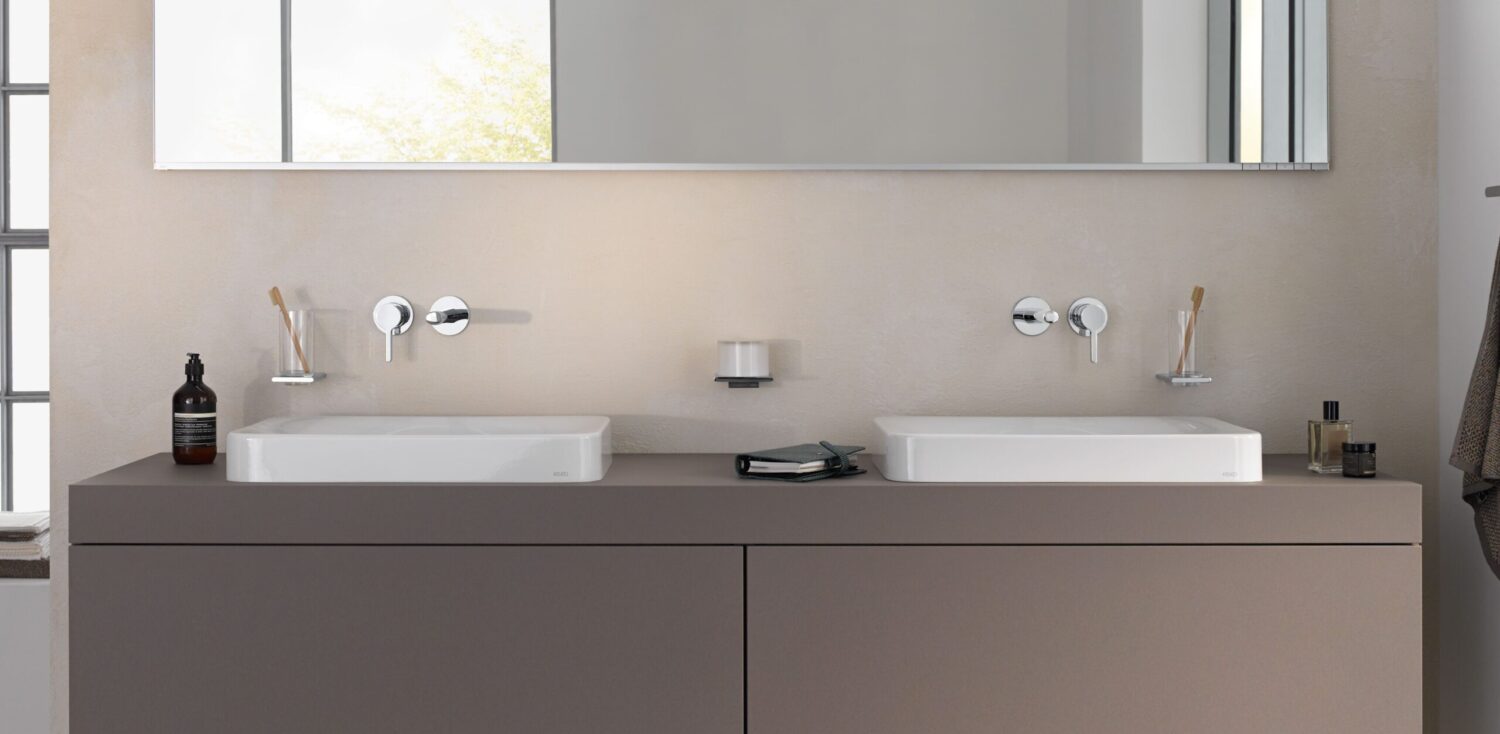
(29, 550)
(23, 525)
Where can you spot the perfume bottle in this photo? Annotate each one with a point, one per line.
(1325, 440)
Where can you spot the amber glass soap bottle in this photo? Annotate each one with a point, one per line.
(195, 418)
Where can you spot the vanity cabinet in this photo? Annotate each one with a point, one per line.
(257, 639)
(1120, 639)
(671, 597)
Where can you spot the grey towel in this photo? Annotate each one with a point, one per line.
(1476, 449)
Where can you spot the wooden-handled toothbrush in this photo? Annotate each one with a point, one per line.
(1187, 336)
(286, 318)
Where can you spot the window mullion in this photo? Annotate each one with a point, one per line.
(5, 42)
(286, 81)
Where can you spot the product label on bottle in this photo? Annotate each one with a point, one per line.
(195, 429)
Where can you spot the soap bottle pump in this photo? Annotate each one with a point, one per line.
(195, 424)
(1325, 440)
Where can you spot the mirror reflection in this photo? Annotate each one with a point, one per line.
(816, 83)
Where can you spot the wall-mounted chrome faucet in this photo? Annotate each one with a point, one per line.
(1088, 317)
(392, 317)
(1032, 316)
(449, 316)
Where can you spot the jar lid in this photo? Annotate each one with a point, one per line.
(1359, 448)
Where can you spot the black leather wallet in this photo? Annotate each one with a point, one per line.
(839, 460)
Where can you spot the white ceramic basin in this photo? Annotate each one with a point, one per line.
(421, 449)
(1039, 450)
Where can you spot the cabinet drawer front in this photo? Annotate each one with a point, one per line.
(1117, 639)
(406, 639)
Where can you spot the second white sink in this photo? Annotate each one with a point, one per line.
(1040, 450)
(426, 449)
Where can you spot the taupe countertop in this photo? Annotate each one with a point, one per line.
(695, 499)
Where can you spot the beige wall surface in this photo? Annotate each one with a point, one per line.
(605, 292)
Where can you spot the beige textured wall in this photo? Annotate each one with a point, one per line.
(890, 292)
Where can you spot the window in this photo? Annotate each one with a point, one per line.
(24, 406)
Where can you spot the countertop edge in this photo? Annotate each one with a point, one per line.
(695, 499)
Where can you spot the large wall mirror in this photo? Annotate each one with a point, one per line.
(729, 83)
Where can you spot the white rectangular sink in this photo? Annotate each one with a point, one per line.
(1041, 450)
(421, 449)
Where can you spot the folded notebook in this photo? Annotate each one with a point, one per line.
(808, 462)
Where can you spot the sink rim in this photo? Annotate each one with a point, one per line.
(426, 449)
(1066, 449)
(1217, 426)
(268, 429)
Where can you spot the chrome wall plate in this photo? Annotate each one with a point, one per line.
(1080, 319)
(384, 317)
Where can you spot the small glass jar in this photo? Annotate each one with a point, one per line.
(1359, 460)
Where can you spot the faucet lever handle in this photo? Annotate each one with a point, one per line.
(392, 317)
(1088, 317)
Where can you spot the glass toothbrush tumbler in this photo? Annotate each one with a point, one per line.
(294, 347)
(1184, 333)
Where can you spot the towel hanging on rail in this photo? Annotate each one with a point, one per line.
(1476, 449)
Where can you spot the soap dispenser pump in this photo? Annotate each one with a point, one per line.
(195, 424)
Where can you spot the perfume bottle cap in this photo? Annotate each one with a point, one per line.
(1359, 448)
(1330, 410)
